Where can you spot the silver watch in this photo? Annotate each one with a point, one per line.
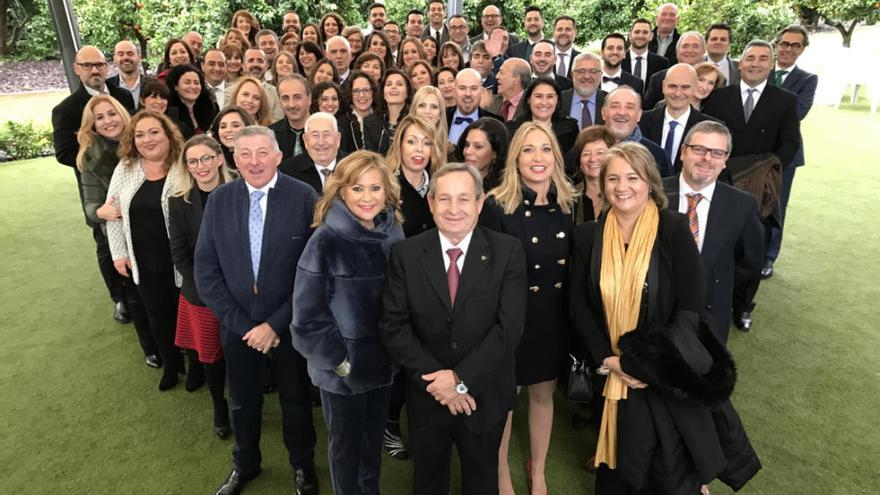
(343, 369)
(461, 388)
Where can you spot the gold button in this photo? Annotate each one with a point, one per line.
(528, 213)
(534, 288)
(561, 261)
(558, 285)
(534, 240)
(560, 235)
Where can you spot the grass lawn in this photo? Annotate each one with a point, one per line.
(81, 413)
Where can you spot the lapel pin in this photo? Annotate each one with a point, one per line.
(484, 258)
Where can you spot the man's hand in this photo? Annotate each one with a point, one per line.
(442, 385)
(463, 403)
(122, 265)
(493, 47)
(261, 338)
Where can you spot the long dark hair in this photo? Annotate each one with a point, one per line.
(527, 110)
(409, 91)
(204, 108)
(499, 140)
(311, 48)
(346, 90)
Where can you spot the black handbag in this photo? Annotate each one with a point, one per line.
(580, 382)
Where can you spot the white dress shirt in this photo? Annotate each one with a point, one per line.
(265, 189)
(446, 244)
(702, 207)
(566, 60)
(723, 65)
(219, 92)
(744, 91)
(679, 131)
(632, 64)
(610, 86)
(331, 166)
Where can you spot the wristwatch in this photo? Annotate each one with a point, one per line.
(343, 369)
(461, 388)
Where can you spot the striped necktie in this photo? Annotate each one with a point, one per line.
(694, 222)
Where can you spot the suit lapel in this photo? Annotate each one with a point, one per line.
(475, 263)
(792, 79)
(715, 224)
(433, 264)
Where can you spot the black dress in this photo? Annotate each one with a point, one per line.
(417, 216)
(545, 234)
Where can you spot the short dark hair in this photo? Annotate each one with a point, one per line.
(527, 110)
(534, 8)
(565, 18)
(640, 20)
(414, 11)
(720, 26)
(794, 28)
(377, 4)
(499, 140)
(617, 36)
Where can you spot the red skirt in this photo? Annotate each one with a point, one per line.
(198, 329)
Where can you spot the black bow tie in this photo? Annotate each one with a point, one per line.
(460, 120)
(615, 80)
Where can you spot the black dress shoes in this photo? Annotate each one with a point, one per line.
(743, 321)
(153, 361)
(767, 270)
(120, 313)
(306, 482)
(235, 482)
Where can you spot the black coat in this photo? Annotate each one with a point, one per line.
(476, 338)
(184, 220)
(287, 139)
(417, 216)
(655, 62)
(302, 167)
(654, 90)
(565, 101)
(627, 79)
(670, 50)
(684, 415)
(378, 133)
(651, 125)
(733, 248)
(565, 129)
(352, 136)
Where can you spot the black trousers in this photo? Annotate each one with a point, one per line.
(432, 442)
(246, 374)
(160, 296)
(112, 278)
(355, 424)
(773, 234)
(139, 316)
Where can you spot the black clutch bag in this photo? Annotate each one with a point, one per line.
(580, 382)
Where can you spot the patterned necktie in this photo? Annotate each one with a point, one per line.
(255, 229)
(780, 77)
(637, 71)
(560, 68)
(693, 200)
(670, 142)
(586, 119)
(749, 105)
(505, 110)
(325, 171)
(452, 274)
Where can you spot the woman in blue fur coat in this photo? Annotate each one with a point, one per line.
(336, 304)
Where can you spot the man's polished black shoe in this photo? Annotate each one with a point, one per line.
(235, 482)
(767, 270)
(120, 313)
(306, 481)
(153, 361)
(743, 321)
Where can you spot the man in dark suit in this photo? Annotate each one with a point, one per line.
(295, 97)
(489, 20)
(666, 35)
(690, 49)
(762, 119)
(587, 73)
(669, 125)
(717, 44)
(127, 57)
(321, 139)
(638, 60)
(436, 27)
(453, 312)
(481, 61)
(613, 49)
(533, 23)
(621, 112)
(467, 100)
(564, 33)
(542, 62)
(790, 44)
(513, 77)
(91, 67)
(253, 232)
(724, 220)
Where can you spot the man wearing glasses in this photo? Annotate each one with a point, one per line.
(584, 101)
(489, 20)
(91, 67)
(723, 220)
(458, 34)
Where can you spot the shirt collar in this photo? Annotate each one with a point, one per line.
(264, 189)
(473, 115)
(446, 244)
(684, 189)
(743, 87)
(516, 98)
(331, 166)
(616, 74)
(788, 70)
(682, 121)
(95, 92)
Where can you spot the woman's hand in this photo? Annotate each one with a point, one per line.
(122, 265)
(613, 363)
(109, 211)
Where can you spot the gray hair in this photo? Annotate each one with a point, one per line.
(339, 38)
(674, 7)
(318, 116)
(710, 127)
(266, 32)
(760, 43)
(453, 167)
(522, 70)
(257, 130)
(794, 28)
(687, 34)
(588, 56)
(622, 87)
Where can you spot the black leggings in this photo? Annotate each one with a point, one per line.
(160, 296)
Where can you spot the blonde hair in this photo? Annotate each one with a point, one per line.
(642, 162)
(262, 117)
(508, 194)
(183, 180)
(87, 135)
(441, 130)
(128, 153)
(346, 174)
(395, 154)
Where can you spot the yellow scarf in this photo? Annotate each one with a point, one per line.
(621, 283)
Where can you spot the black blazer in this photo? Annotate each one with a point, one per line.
(417, 216)
(184, 220)
(733, 248)
(774, 126)
(651, 125)
(476, 337)
(654, 90)
(378, 133)
(518, 50)
(569, 62)
(565, 129)
(302, 167)
(670, 50)
(444, 34)
(632, 81)
(352, 136)
(656, 63)
(567, 97)
(563, 82)
(803, 84)
(67, 117)
(287, 139)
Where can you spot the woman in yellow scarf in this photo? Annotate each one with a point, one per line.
(636, 294)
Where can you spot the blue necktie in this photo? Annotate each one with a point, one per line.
(670, 141)
(255, 228)
(460, 120)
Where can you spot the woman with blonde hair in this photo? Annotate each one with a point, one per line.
(427, 103)
(535, 203)
(235, 37)
(248, 93)
(104, 122)
(336, 302)
(137, 200)
(200, 169)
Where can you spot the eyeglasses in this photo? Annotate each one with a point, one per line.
(361, 91)
(786, 45)
(92, 65)
(204, 160)
(592, 72)
(491, 16)
(457, 28)
(702, 150)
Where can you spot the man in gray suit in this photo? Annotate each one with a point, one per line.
(717, 44)
(587, 74)
(513, 77)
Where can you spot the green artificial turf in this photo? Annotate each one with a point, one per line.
(80, 413)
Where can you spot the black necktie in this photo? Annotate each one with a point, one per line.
(460, 120)
(615, 80)
(637, 71)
